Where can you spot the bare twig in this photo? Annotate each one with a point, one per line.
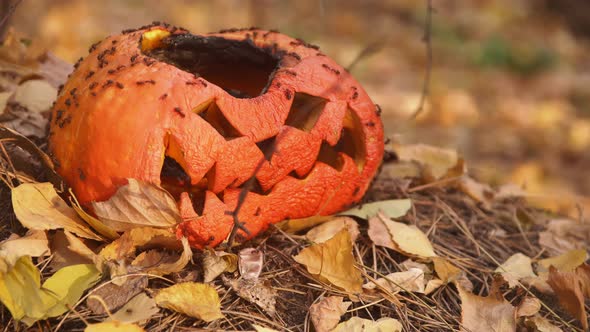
(427, 39)
(9, 11)
(369, 50)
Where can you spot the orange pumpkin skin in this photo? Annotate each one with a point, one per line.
(125, 108)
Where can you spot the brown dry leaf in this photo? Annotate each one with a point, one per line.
(36, 95)
(402, 169)
(567, 286)
(540, 324)
(165, 268)
(257, 292)
(143, 237)
(138, 309)
(445, 270)
(115, 296)
(433, 285)
(96, 224)
(327, 230)
(62, 255)
(250, 263)
(406, 239)
(33, 244)
(113, 326)
(293, 226)
(480, 192)
(486, 314)
(564, 263)
(326, 314)
(436, 162)
(37, 206)
(217, 262)
(192, 299)
(562, 235)
(583, 273)
(357, 324)
(515, 268)
(333, 261)
(138, 204)
(393, 208)
(408, 281)
(530, 306)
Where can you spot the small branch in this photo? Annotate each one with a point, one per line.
(369, 50)
(427, 39)
(10, 10)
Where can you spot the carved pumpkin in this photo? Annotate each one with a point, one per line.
(196, 114)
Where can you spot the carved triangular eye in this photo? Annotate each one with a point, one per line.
(305, 111)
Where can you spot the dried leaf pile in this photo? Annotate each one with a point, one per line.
(432, 249)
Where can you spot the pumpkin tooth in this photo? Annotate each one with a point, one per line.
(209, 117)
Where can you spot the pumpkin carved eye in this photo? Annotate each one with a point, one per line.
(200, 115)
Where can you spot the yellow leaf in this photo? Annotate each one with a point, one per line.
(436, 162)
(27, 301)
(126, 245)
(138, 309)
(96, 224)
(486, 314)
(218, 262)
(566, 262)
(327, 230)
(406, 239)
(326, 314)
(356, 324)
(113, 326)
(393, 208)
(406, 281)
(530, 306)
(540, 324)
(515, 268)
(37, 206)
(33, 244)
(192, 299)
(138, 204)
(333, 261)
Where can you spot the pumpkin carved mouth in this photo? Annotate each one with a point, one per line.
(200, 115)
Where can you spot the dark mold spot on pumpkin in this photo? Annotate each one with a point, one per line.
(370, 124)
(145, 82)
(94, 46)
(77, 64)
(60, 88)
(89, 75)
(108, 83)
(355, 95)
(230, 64)
(288, 94)
(119, 85)
(334, 70)
(162, 97)
(355, 191)
(179, 111)
(81, 174)
(133, 57)
(73, 92)
(93, 94)
(258, 211)
(111, 71)
(58, 115)
(377, 109)
(92, 85)
(295, 55)
(68, 102)
(65, 121)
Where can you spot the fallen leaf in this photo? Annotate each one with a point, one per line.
(406, 239)
(540, 324)
(33, 244)
(486, 314)
(564, 263)
(62, 254)
(567, 287)
(394, 208)
(327, 230)
(22, 294)
(138, 204)
(28, 123)
(76, 245)
(408, 264)
(333, 261)
(515, 268)
(115, 296)
(406, 281)
(143, 237)
(36, 95)
(563, 235)
(436, 162)
(138, 309)
(167, 267)
(254, 291)
(217, 262)
(192, 299)
(357, 324)
(250, 263)
(96, 224)
(293, 226)
(433, 285)
(113, 326)
(480, 192)
(583, 273)
(326, 313)
(530, 306)
(4, 96)
(37, 206)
